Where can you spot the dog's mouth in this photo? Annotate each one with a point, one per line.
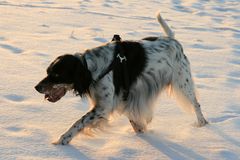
(56, 92)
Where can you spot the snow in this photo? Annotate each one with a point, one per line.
(33, 33)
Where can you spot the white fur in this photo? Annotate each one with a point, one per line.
(165, 27)
(166, 66)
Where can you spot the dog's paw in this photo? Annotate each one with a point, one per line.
(202, 123)
(64, 140)
(60, 142)
(138, 128)
(56, 143)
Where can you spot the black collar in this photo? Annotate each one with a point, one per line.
(118, 58)
(82, 59)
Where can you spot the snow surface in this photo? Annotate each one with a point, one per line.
(33, 33)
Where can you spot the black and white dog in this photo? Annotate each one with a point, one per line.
(122, 76)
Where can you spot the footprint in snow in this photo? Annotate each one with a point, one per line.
(222, 118)
(45, 26)
(233, 79)
(207, 47)
(113, 1)
(103, 40)
(235, 74)
(228, 154)
(48, 2)
(205, 76)
(235, 62)
(107, 5)
(236, 52)
(44, 55)
(2, 38)
(96, 29)
(15, 97)
(178, 6)
(236, 35)
(233, 82)
(11, 48)
(203, 86)
(235, 46)
(235, 112)
(14, 129)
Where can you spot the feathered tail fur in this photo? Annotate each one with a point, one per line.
(165, 27)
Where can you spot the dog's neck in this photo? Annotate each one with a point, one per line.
(98, 59)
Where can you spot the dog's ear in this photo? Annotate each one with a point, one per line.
(82, 79)
(116, 38)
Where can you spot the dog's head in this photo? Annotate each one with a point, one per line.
(65, 73)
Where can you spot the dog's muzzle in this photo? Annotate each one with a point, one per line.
(53, 93)
(39, 88)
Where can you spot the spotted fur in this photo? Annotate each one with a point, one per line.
(153, 64)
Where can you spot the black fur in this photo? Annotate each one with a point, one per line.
(69, 69)
(139, 70)
(126, 73)
(62, 70)
(116, 38)
(150, 38)
(83, 78)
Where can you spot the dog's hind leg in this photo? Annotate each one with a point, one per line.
(183, 88)
(187, 98)
(139, 117)
(197, 109)
(201, 120)
(137, 127)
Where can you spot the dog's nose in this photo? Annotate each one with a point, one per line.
(38, 88)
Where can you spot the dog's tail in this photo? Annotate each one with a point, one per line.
(165, 27)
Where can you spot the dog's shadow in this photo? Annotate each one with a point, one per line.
(170, 149)
(72, 152)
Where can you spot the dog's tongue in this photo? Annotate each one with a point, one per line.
(55, 94)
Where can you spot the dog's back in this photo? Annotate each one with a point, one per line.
(153, 64)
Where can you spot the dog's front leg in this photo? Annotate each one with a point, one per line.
(91, 118)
